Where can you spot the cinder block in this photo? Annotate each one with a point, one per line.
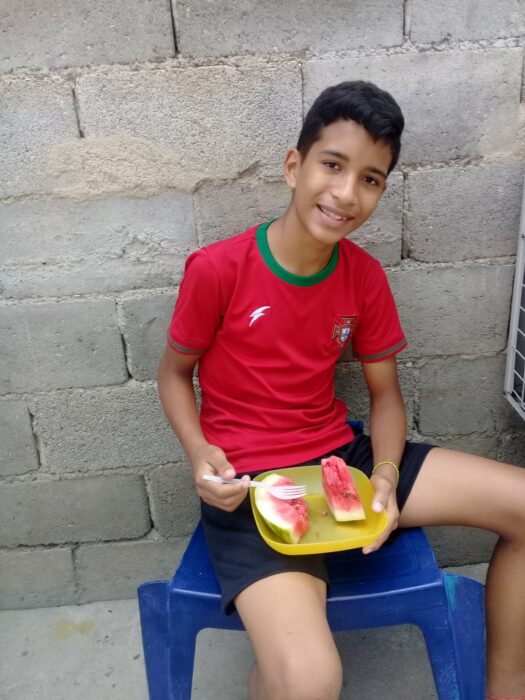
(266, 26)
(114, 570)
(145, 321)
(115, 165)
(36, 112)
(225, 209)
(381, 236)
(458, 396)
(351, 388)
(82, 430)
(482, 444)
(93, 246)
(254, 111)
(470, 19)
(73, 510)
(387, 250)
(463, 213)
(36, 578)
(51, 345)
(470, 108)
(457, 546)
(18, 452)
(109, 275)
(68, 230)
(59, 34)
(512, 447)
(174, 502)
(453, 310)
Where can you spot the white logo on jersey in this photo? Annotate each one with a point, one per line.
(257, 314)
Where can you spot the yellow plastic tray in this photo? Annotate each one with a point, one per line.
(325, 534)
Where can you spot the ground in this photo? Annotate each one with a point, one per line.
(94, 652)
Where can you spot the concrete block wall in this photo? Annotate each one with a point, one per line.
(134, 133)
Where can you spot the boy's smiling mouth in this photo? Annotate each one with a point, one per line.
(332, 214)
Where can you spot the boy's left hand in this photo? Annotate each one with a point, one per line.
(384, 499)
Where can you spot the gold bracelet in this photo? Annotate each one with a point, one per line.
(392, 464)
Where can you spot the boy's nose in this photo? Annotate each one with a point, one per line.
(346, 190)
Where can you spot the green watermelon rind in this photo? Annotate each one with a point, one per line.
(265, 506)
(342, 516)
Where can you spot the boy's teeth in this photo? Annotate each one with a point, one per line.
(334, 216)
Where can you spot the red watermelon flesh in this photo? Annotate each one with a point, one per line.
(340, 491)
(287, 518)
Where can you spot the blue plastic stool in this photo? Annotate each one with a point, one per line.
(399, 584)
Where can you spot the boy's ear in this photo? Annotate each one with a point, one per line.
(292, 163)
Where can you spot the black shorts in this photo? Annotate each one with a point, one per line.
(241, 557)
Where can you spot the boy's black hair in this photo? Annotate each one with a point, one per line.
(362, 102)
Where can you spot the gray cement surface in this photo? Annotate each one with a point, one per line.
(94, 652)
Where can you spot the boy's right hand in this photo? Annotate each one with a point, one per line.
(210, 459)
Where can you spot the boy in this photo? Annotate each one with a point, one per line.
(267, 314)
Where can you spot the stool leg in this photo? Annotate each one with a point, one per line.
(154, 623)
(456, 643)
(467, 619)
(183, 638)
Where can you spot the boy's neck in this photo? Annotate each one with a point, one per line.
(296, 252)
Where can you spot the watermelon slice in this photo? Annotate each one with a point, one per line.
(340, 491)
(288, 519)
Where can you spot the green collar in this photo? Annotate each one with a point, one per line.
(290, 277)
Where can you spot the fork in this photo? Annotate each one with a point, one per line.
(286, 493)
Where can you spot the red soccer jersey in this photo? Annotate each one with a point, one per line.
(270, 340)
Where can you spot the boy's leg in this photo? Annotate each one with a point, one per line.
(296, 657)
(454, 488)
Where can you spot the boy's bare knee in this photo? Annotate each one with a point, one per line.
(293, 679)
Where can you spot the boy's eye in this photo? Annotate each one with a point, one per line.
(371, 180)
(332, 165)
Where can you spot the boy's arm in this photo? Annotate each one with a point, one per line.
(387, 413)
(387, 433)
(175, 383)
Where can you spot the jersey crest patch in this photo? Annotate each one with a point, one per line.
(343, 329)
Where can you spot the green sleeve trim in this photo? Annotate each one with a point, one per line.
(385, 354)
(285, 275)
(182, 348)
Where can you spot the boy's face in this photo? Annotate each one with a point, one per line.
(339, 182)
